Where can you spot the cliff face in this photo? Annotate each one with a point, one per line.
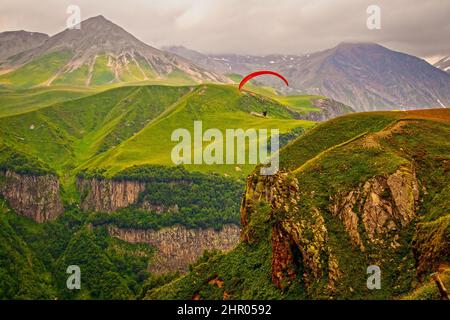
(295, 241)
(34, 196)
(105, 195)
(386, 205)
(372, 215)
(177, 247)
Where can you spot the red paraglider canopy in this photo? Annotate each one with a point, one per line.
(258, 73)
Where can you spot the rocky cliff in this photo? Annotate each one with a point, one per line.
(386, 204)
(372, 215)
(34, 196)
(291, 244)
(177, 247)
(104, 195)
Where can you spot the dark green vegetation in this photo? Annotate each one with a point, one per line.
(244, 273)
(329, 161)
(34, 258)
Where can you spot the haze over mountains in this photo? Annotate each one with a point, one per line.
(365, 76)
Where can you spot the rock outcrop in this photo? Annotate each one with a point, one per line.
(372, 214)
(384, 204)
(105, 195)
(295, 241)
(177, 247)
(34, 196)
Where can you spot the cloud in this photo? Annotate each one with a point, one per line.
(251, 26)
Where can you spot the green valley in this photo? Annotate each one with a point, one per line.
(72, 147)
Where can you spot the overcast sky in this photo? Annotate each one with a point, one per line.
(420, 27)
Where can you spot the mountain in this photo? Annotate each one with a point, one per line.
(443, 64)
(371, 77)
(365, 76)
(357, 193)
(13, 42)
(235, 63)
(100, 52)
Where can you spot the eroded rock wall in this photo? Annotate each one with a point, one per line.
(177, 247)
(374, 213)
(104, 195)
(383, 204)
(34, 196)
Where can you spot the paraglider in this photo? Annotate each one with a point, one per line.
(258, 73)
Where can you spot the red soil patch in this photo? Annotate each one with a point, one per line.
(442, 115)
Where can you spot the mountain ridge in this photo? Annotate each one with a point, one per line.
(366, 76)
(14, 42)
(101, 52)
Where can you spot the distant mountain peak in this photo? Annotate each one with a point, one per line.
(358, 44)
(100, 44)
(364, 75)
(98, 17)
(99, 20)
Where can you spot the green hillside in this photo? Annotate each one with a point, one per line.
(65, 134)
(216, 106)
(37, 72)
(300, 103)
(54, 69)
(26, 100)
(132, 125)
(349, 154)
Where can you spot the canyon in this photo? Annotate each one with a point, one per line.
(38, 197)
